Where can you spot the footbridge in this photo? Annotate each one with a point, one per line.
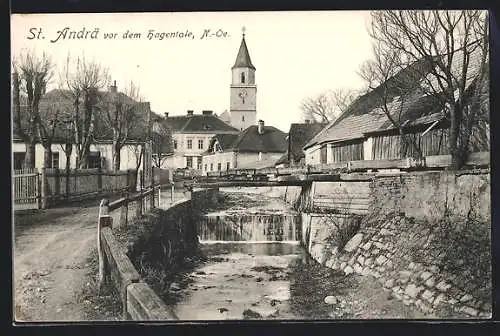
(363, 170)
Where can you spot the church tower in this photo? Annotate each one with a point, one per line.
(243, 104)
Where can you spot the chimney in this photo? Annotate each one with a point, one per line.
(190, 112)
(207, 112)
(165, 114)
(113, 88)
(307, 121)
(261, 127)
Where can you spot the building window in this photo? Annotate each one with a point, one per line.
(211, 167)
(200, 144)
(18, 160)
(189, 161)
(219, 166)
(190, 144)
(227, 165)
(243, 77)
(94, 160)
(243, 118)
(175, 144)
(55, 160)
(199, 163)
(206, 166)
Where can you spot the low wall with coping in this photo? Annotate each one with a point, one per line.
(139, 301)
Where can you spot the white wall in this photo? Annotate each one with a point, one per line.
(312, 155)
(127, 160)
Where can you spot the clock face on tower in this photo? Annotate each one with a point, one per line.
(243, 94)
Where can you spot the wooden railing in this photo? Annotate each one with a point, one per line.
(480, 159)
(138, 300)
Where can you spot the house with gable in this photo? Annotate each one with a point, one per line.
(101, 148)
(298, 136)
(258, 146)
(191, 135)
(364, 131)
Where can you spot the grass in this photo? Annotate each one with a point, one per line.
(104, 306)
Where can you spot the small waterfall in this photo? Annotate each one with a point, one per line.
(245, 227)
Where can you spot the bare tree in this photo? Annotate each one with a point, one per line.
(52, 111)
(328, 105)
(119, 112)
(455, 45)
(161, 138)
(82, 80)
(138, 151)
(31, 74)
(393, 85)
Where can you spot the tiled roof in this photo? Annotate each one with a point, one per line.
(101, 131)
(299, 135)
(365, 114)
(224, 140)
(243, 58)
(199, 123)
(249, 140)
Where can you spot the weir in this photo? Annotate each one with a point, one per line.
(244, 227)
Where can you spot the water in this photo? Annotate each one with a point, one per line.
(262, 226)
(255, 267)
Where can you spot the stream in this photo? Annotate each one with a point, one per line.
(254, 266)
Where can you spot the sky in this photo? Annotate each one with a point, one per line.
(296, 55)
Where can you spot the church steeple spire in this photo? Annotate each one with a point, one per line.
(243, 58)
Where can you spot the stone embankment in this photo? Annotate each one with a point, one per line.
(426, 238)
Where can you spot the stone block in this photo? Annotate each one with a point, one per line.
(389, 283)
(412, 290)
(466, 298)
(380, 260)
(367, 245)
(425, 275)
(353, 243)
(361, 260)
(343, 264)
(379, 245)
(348, 270)
(428, 295)
(439, 299)
(358, 269)
(366, 271)
(385, 232)
(468, 310)
(430, 282)
(434, 269)
(443, 286)
(368, 261)
(411, 266)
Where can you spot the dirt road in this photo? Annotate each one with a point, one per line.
(51, 250)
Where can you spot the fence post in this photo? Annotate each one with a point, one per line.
(138, 208)
(99, 179)
(104, 220)
(159, 196)
(43, 188)
(38, 192)
(124, 211)
(152, 195)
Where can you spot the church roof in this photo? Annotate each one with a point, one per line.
(243, 59)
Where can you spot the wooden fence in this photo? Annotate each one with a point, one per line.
(40, 188)
(26, 188)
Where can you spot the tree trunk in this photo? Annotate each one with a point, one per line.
(29, 159)
(457, 159)
(116, 157)
(47, 156)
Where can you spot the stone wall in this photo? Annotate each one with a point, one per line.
(409, 259)
(416, 239)
(431, 195)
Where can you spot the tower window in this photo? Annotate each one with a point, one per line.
(242, 77)
(242, 118)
